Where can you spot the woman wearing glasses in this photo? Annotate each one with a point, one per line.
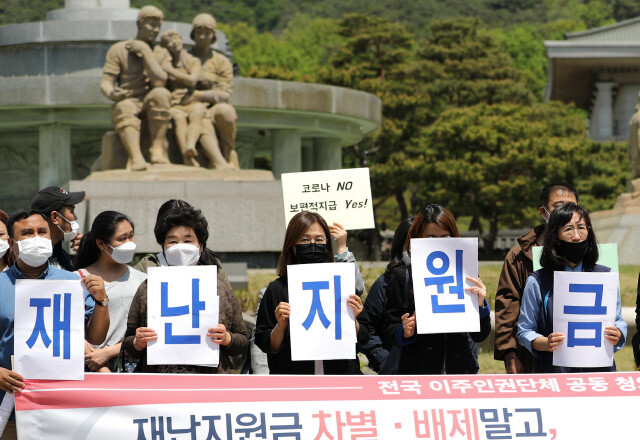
(442, 353)
(307, 240)
(569, 245)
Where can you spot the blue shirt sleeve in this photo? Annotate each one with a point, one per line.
(89, 304)
(621, 324)
(529, 314)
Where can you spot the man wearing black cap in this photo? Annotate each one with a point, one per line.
(58, 205)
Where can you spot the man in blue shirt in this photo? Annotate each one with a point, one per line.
(30, 239)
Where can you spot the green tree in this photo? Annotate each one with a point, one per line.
(490, 161)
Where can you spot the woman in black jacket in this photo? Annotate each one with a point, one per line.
(441, 353)
(307, 240)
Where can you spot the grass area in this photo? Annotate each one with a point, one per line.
(489, 272)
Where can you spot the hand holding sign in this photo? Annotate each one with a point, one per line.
(10, 381)
(144, 335)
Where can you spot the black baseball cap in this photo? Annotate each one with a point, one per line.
(54, 198)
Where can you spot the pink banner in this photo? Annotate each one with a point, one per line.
(146, 406)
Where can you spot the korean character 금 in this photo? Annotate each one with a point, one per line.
(287, 425)
(332, 205)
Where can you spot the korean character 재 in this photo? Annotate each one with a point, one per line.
(332, 205)
(484, 385)
(497, 423)
(362, 424)
(506, 385)
(388, 386)
(411, 386)
(461, 385)
(306, 188)
(292, 429)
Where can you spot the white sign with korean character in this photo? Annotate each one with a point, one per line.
(182, 304)
(584, 303)
(440, 267)
(342, 196)
(49, 329)
(321, 324)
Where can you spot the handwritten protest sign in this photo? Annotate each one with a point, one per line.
(439, 267)
(342, 196)
(49, 329)
(321, 325)
(584, 303)
(182, 304)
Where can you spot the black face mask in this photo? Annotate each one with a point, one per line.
(311, 253)
(573, 251)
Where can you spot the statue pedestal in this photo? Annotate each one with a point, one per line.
(621, 225)
(244, 208)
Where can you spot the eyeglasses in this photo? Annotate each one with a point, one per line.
(569, 231)
(318, 240)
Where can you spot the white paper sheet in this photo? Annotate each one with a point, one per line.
(182, 304)
(326, 331)
(41, 350)
(584, 299)
(439, 267)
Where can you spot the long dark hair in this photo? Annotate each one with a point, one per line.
(296, 228)
(102, 228)
(551, 257)
(397, 246)
(180, 213)
(9, 257)
(433, 213)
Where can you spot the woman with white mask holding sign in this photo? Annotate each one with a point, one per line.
(436, 353)
(308, 239)
(180, 254)
(182, 231)
(106, 250)
(570, 244)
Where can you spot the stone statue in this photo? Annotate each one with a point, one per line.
(134, 79)
(191, 117)
(215, 85)
(634, 142)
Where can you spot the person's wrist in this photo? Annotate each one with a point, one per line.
(343, 254)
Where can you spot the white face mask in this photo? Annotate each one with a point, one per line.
(75, 227)
(182, 254)
(35, 251)
(123, 254)
(4, 247)
(546, 219)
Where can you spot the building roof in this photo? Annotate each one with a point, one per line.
(577, 62)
